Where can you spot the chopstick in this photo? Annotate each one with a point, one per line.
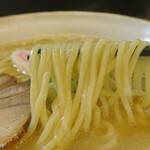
(145, 51)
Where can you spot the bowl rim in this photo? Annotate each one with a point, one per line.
(29, 25)
(87, 13)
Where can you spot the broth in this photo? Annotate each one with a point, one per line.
(124, 136)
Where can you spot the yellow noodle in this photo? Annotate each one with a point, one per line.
(125, 67)
(147, 81)
(96, 116)
(96, 95)
(84, 52)
(98, 85)
(105, 105)
(117, 111)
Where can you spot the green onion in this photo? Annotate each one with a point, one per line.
(28, 81)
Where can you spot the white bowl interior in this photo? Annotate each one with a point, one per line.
(95, 24)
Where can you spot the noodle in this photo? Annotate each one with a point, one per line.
(78, 84)
(96, 93)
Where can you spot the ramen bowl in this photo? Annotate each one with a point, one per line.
(24, 31)
(13, 28)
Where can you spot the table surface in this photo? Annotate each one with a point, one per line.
(135, 8)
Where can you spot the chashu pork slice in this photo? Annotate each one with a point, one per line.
(14, 116)
(6, 80)
(13, 89)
